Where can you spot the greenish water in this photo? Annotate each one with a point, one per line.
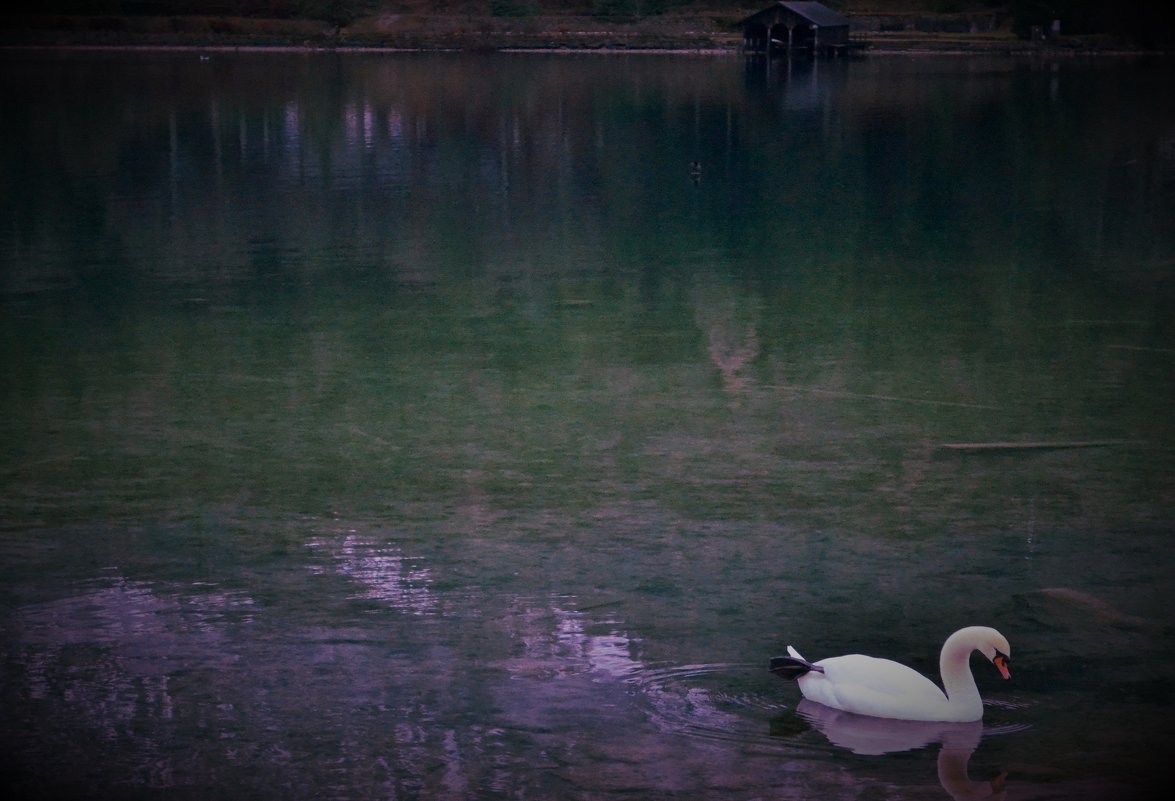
(425, 427)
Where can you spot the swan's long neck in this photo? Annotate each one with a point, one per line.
(954, 664)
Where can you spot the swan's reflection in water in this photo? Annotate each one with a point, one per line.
(871, 736)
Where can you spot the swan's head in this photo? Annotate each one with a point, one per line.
(984, 639)
(996, 648)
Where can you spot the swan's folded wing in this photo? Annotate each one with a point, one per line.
(880, 687)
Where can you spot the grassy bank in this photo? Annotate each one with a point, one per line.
(424, 31)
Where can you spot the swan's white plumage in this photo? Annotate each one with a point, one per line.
(866, 685)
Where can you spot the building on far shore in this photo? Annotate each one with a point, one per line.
(795, 26)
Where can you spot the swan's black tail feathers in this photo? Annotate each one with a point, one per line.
(790, 667)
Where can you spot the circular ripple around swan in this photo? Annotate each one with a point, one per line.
(721, 701)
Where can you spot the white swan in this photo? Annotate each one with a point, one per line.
(882, 688)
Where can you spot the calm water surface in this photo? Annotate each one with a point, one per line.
(424, 427)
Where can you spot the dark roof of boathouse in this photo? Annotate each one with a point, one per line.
(817, 14)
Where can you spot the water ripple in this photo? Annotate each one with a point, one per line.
(731, 702)
(716, 701)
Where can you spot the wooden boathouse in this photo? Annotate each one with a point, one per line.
(795, 27)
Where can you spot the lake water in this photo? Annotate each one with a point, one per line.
(428, 427)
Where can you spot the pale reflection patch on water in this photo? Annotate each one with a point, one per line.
(383, 573)
(145, 625)
(566, 657)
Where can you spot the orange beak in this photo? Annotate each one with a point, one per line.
(1001, 662)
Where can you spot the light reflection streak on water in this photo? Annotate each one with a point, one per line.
(609, 653)
(384, 573)
(292, 120)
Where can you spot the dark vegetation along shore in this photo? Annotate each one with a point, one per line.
(488, 25)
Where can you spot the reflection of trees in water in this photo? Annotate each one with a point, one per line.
(733, 341)
(491, 695)
(128, 685)
(300, 165)
(125, 684)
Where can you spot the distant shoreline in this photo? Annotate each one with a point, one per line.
(438, 34)
(884, 52)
